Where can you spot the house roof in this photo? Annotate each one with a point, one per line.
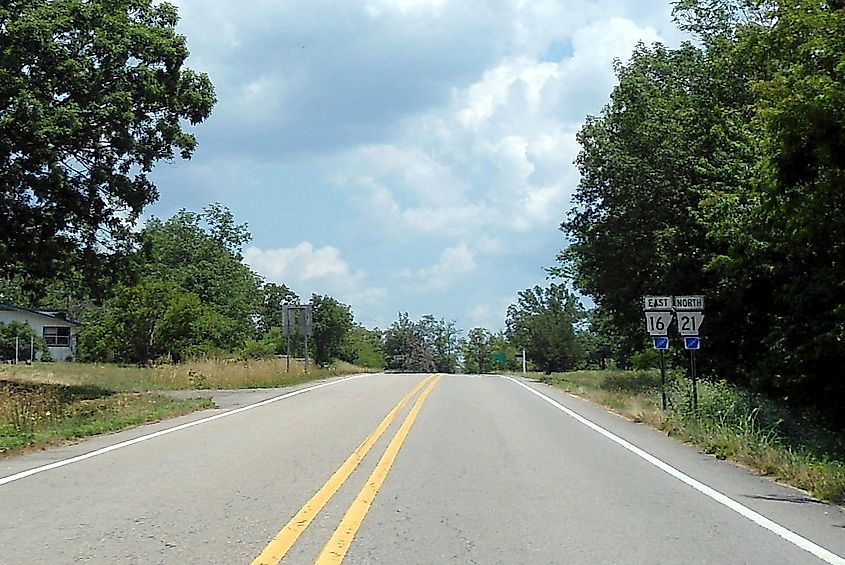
(57, 315)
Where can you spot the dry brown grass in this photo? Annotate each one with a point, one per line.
(51, 402)
(195, 374)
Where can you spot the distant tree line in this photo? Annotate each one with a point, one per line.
(185, 292)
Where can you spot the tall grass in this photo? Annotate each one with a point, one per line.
(748, 429)
(194, 374)
(39, 414)
(51, 402)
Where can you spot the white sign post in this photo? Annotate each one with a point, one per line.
(688, 311)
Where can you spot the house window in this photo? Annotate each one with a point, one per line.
(57, 336)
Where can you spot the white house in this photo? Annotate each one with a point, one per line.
(59, 332)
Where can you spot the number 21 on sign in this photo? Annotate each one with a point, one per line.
(689, 322)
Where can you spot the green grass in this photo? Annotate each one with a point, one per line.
(34, 415)
(51, 403)
(750, 430)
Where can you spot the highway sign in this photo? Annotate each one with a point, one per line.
(297, 318)
(689, 303)
(657, 323)
(692, 343)
(657, 303)
(689, 322)
(661, 342)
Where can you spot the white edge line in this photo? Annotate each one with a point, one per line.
(107, 449)
(758, 519)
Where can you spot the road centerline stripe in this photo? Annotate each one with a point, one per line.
(287, 536)
(335, 549)
(723, 499)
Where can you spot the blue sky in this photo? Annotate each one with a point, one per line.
(401, 155)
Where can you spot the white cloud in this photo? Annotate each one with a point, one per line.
(454, 262)
(489, 313)
(500, 156)
(307, 269)
(302, 262)
(377, 8)
(442, 125)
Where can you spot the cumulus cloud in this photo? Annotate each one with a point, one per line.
(307, 269)
(499, 156)
(454, 262)
(313, 75)
(402, 127)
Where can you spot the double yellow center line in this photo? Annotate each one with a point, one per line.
(336, 548)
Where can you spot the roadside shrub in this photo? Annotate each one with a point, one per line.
(646, 359)
(21, 334)
(151, 320)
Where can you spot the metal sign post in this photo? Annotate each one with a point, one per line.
(690, 313)
(658, 316)
(288, 324)
(661, 344)
(297, 318)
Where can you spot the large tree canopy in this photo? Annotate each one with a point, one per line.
(717, 168)
(92, 94)
(201, 254)
(544, 322)
(332, 323)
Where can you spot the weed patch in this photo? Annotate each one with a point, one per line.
(40, 414)
(750, 430)
(46, 403)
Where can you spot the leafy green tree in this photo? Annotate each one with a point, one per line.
(501, 345)
(786, 242)
(545, 323)
(332, 323)
(150, 320)
(364, 347)
(601, 341)
(477, 351)
(441, 338)
(717, 169)
(20, 335)
(273, 299)
(675, 133)
(271, 343)
(201, 254)
(93, 93)
(800, 110)
(405, 347)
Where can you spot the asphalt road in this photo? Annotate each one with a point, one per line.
(470, 470)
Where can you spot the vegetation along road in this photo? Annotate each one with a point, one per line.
(402, 469)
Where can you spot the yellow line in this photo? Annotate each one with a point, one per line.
(336, 548)
(287, 536)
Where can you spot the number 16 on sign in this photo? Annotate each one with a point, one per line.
(657, 323)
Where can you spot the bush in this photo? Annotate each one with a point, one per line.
(21, 334)
(154, 319)
(646, 359)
